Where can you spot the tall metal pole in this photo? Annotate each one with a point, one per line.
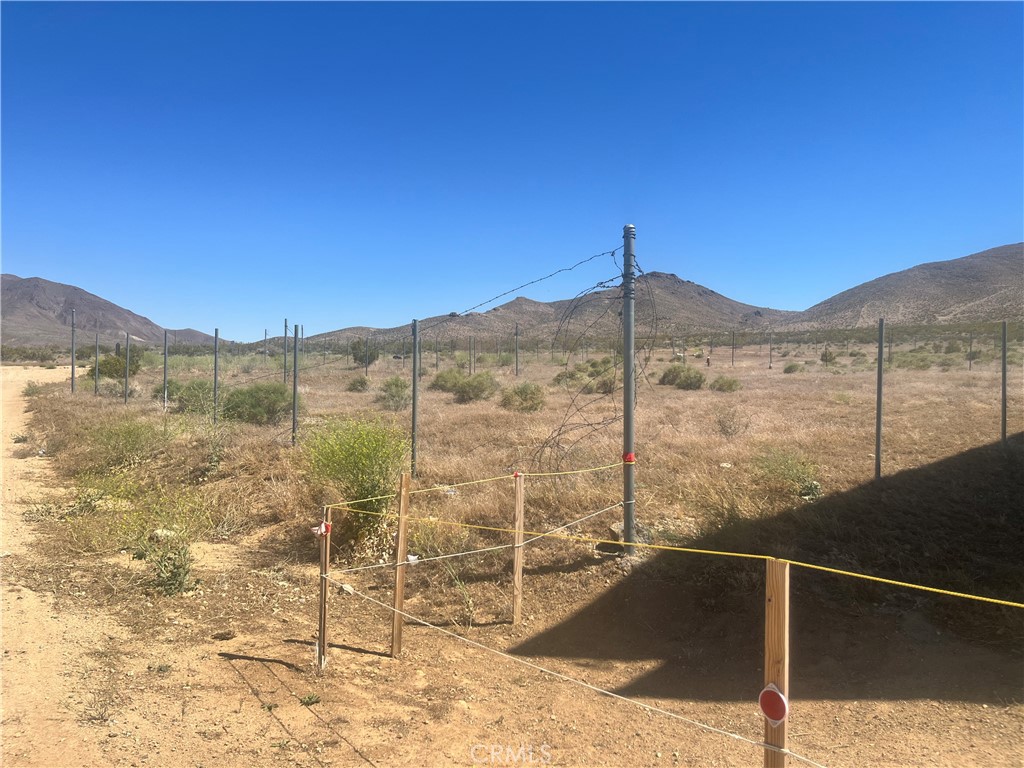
(285, 350)
(628, 390)
(295, 386)
(73, 351)
(415, 388)
(878, 399)
(216, 369)
(127, 363)
(165, 370)
(517, 349)
(96, 368)
(1003, 420)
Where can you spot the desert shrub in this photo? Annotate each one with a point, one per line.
(691, 378)
(195, 397)
(731, 422)
(479, 386)
(112, 366)
(792, 367)
(358, 384)
(523, 397)
(448, 380)
(725, 384)
(671, 375)
(603, 385)
(790, 472)
(913, 362)
(973, 355)
(121, 444)
(858, 353)
(171, 565)
(952, 347)
(265, 402)
(174, 388)
(363, 353)
(359, 459)
(32, 388)
(568, 379)
(395, 394)
(828, 357)
(506, 359)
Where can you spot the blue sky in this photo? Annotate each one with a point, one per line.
(231, 164)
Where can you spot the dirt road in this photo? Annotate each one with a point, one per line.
(41, 656)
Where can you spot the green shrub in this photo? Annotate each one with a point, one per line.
(112, 366)
(691, 378)
(265, 402)
(603, 385)
(479, 386)
(567, 379)
(395, 394)
(359, 459)
(171, 564)
(123, 444)
(673, 374)
(523, 397)
(952, 347)
(174, 388)
(913, 362)
(196, 397)
(828, 356)
(363, 354)
(358, 384)
(792, 367)
(790, 472)
(448, 380)
(725, 384)
(32, 388)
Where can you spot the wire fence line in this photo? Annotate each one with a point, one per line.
(580, 683)
(554, 533)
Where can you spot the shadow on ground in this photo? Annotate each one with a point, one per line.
(957, 524)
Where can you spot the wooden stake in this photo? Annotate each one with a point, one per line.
(517, 561)
(776, 652)
(400, 562)
(325, 563)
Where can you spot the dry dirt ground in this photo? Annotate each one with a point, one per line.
(98, 672)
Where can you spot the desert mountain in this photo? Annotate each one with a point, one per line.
(984, 286)
(35, 312)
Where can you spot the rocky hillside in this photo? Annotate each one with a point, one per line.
(36, 312)
(983, 286)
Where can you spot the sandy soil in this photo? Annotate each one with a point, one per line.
(99, 672)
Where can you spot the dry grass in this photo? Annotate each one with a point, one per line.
(734, 469)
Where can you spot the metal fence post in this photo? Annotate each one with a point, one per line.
(878, 399)
(415, 388)
(216, 368)
(127, 363)
(295, 386)
(73, 351)
(628, 391)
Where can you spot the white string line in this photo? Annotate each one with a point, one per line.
(478, 551)
(587, 685)
(574, 522)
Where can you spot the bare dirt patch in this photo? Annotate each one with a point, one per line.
(100, 670)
